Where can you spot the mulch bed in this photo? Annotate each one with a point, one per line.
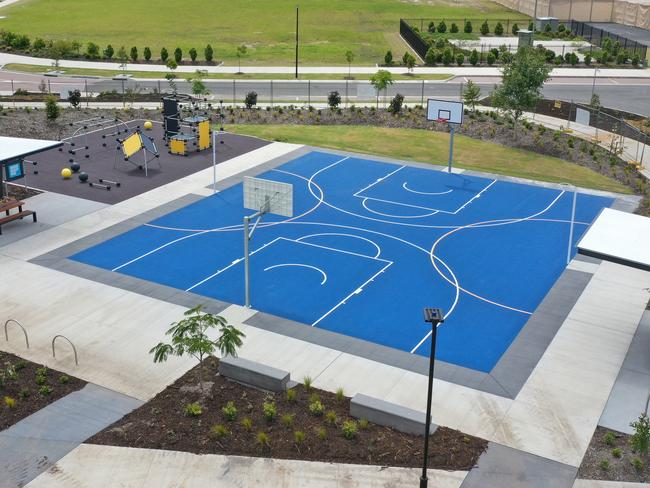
(20, 192)
(162, 424)
(18, 381)
(601, 463)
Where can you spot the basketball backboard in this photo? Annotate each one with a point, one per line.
(445, 110)
(268, 196)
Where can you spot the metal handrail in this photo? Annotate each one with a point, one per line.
(19, 325)
(74, 349)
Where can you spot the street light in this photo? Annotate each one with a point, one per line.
(433, 316)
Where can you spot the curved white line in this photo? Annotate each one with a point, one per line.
(425, 192)
(346, 235)
(301, 266)
(365, 205)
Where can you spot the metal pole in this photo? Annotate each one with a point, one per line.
(309, 93)
(573, 217)
(13, 92)
(423, 479)
(422, 95)
(451, 147)
(271, 93)
(214, 161)
(233, 93)
(296, 43)
(593, 86)
(346, 93)
(86, 87)
(247, 302)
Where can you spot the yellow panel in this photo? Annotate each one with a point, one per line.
(177, 146)
(204, 135)
(131, 145)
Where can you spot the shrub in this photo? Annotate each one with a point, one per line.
(42, 371)
(10, 402)
(247, 423)
(641, 437)
(38, 44)
(485, 28)
(287, 420)
(507, 57)
(638, 464)
(193, 410)
(193, 54)
(561, 27)
(431, 27)
(306, 382)
(23, 393)
(468, 27)
(21, 42)
(330, 417)
(473, 57)
(164, 55)
(147, 54)
(430, 57)
(321, 433)
(363, 424)
(250, 100)
(291, 395)
(395, 106)
(447, 57)
(388, 58)
(515, 29)
(109, 52)
(349, 429)
(298, 437)
(230, 411)
(334, 99)
(52, 112)
(92, 51)
(316, 408)
(635, 60)
(617, 452)
(558, 60)
(64, 379)
(604, 465)
(340, 395)
(440, 42)
(460, 59)
(491, 58)
(133, 54)
(45, 390)
(269, 411)
(219, 431)
(178, 55)
(454, 28)
(208, 53)
(442, 27)
(498, 29)
(262, 439)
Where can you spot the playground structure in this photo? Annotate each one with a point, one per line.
(86, 126)
(134, 143)
(184, 132)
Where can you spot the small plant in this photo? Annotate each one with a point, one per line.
(314, 397)
(287, 420)
(316, 408)
(64, 379)
(340, 395)
(330, 417)
(321, 433)
(262, 439)
(24, 393)
(363, 424)
(306, 382)
(247, 423)
(617, 452)
(638, 464)
(193, 410)
(40, 380)
(230, 411)
(219, 431)
(45, 390)
(251, 99)
(349, 429)
(641, 437)
(604, 465)
(291, 395)
(298, 437)
(20, 364)
(10, 402)
(269, 410)
(42, 371)
(52, 110)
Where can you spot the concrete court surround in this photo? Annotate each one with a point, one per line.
(553, 415)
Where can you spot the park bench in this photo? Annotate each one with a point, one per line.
(10, 204)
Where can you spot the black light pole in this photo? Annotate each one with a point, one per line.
(434, 317)
(296, 43)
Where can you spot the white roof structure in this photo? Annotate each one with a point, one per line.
(619, 237)
(18, 147)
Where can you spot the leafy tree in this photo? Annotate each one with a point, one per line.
(515, 29)
(92, 51)
(208, 53)
(74, 98)
(468, 27)
(454, 28)
(381, 80)
(522, 82)
(447, 57)
(241, 52)
(430, 57)
(250, 100)
(38, 44)
(198, 85)
(491, 58)
(485, 28)
(640, 440)
(588, 59)
(147, 54)
(349, 57)
(388, 58)
(171, 76)
(432, 27)
(164, 54)
(190, 336)
(122, 57)
(409, 61)
(396, 103)
(52, 110)
(442, 27)
(548, 29)
(531, 26)
(108, 52)
(334, 99)
(134, 54)
(21, 42)
(595, 101)
(498, 29)
(460, 59)
(473, 57)
(178, 55)
(193, 54)
(471, 94)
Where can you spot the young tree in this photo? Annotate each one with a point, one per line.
(164, 54)
(460, 59)
(147, 54)
(515, 29)
(430, 57)
(454, 28)
(447, 57)
(52, 110)
(334, 99)
(522, 82)
(473, 57)
(485, 28)
(491, 58)
(410, 62)
(190, 336)
(193, 54)
(92, 51)
(442, 27)
(395, 106)
(208, 53)
(241, 52)
(74, 98)
(498, 29)
(640, 440)
(122, 57)
(349, 57)
(381, 80)
(178, 55)
(134, 54)
(251, 99)
(468, 27)
(199, 87)
(171, 76)
(388, 58)
(471, 94)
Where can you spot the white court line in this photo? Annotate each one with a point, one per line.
(379, 180)
(335, 250)
(365, 205)
(346, 235)
(426, 192)
(300, 265)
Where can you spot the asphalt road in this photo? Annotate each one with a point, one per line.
(631, 95)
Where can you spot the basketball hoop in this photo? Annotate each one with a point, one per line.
(442, 121)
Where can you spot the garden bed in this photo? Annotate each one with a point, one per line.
(610, 457)
(27, 387)
(164, 423)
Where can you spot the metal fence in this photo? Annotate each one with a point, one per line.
(596, 36)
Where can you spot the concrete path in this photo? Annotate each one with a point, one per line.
(92, 466)
(608, 484)
(35, 443)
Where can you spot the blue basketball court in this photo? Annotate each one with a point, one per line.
(370, 244)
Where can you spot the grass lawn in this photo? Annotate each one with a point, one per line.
(28, 68)
(433, 147)
(328, 28)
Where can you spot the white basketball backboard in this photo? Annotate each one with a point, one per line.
(448, 110)
(268, 196)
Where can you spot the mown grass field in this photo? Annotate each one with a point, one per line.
(328, 28)
(433, 147)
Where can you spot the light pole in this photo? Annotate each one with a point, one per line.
(433, 316)
(593, 86)
(297, 11)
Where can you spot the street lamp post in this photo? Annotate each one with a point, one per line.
(433, 316)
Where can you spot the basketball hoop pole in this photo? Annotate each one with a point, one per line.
(572, 223)
(214, 161)
(451, 146)
(248, 234)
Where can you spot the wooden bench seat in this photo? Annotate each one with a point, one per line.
(16, 216)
